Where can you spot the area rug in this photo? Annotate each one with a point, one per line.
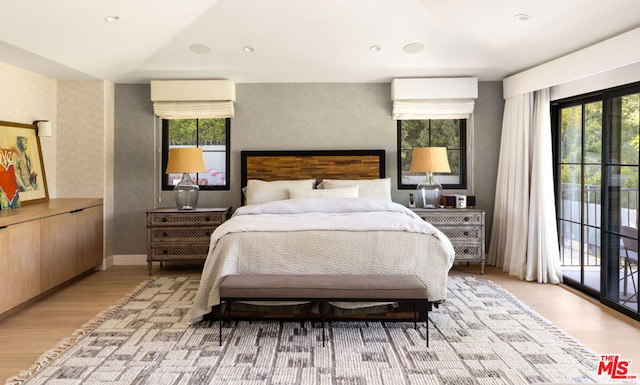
(480, 335)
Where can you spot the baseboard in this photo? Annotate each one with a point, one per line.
(106, 263)
(130, 260)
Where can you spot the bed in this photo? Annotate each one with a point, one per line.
(321, 212)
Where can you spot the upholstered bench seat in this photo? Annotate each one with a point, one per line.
(324, 288)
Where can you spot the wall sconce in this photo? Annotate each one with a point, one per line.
(44, 127)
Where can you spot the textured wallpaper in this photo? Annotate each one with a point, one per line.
(24, 97)
(81, 144)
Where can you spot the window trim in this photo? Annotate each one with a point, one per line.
(165, 186)
(463, 158)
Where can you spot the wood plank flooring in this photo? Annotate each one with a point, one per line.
(37, 327)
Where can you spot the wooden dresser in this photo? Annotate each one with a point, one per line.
(46, 244)
(465, 230)
(181, 235)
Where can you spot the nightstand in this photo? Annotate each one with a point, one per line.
(181, 235)
(465, 230)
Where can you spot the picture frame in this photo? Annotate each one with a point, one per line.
(21, 158)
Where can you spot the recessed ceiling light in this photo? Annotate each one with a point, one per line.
(199, 48)
(112, 18)
(375, 48)
(248, 48)
(413, 47)
(522, 17)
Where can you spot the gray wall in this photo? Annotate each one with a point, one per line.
(284, 116)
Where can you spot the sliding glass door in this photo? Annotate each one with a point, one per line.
(597, 142)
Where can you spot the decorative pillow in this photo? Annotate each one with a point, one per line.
(259, 191)
(368, 188)
(343, 192)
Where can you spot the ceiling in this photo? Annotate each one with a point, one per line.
(300, 40)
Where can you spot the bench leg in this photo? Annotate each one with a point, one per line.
(322, 320)
(220, 324)
(415, 316)
(426, 325)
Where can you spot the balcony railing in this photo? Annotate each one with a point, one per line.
(580, 222)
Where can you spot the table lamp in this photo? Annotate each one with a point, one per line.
(185, 160)
(429, 160)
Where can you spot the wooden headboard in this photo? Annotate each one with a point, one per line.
(318, 164)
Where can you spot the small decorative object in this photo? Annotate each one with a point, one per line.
(429, 160)
(185, 160)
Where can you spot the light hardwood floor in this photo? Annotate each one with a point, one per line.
(36, 328)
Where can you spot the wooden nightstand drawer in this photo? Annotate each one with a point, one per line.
(180, 235)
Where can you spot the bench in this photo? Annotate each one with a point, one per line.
(325, 288)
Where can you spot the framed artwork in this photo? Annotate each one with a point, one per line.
(22, 177)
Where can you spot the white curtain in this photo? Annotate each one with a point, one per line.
(524, 240)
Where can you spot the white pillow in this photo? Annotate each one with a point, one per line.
(259, 191)
(368, 188)
(343, 192)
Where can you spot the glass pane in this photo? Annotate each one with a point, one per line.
(570, 246)
(592, 196)
(626, 197)
(415, 133)
(570, 193)
(212, 132)
(629, 128)
(571, 135)
(216, 164)
(445, 133)
(183, 132)
(593, 133)
(624, 267)
(591, 250)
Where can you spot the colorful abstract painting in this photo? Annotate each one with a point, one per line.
(9, 190)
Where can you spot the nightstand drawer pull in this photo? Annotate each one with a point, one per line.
(466, 219)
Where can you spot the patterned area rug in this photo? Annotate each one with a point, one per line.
(481, 335)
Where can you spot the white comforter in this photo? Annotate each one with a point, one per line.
(325, 236)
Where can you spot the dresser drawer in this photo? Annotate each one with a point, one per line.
(463, 233)
(175, 252)
(468, 252)
(186, 219)
(454, 218)
(173, 234)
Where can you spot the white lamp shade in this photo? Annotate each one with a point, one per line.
(430, 159)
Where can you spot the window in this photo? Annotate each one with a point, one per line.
(449, 133)
(212, 135)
